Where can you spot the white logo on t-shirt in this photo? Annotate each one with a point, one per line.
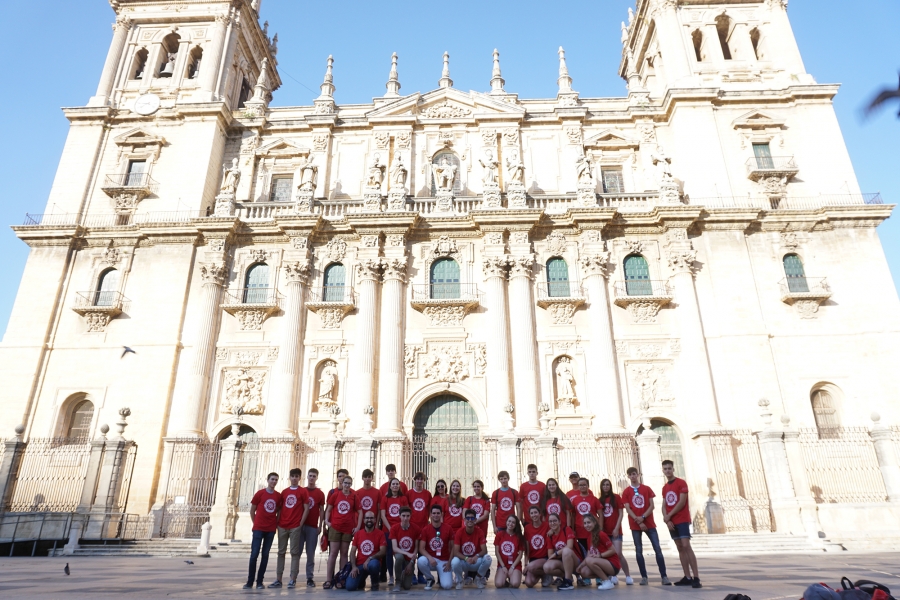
(584, 508)
(312, 502)
(478, 509)
(506, 504)
(367, 547)
(406, 543)
(290, 501)
(560, 545)
(537, 541)
(608, 510)
(468, 549)
(507, 548)
(394, 510)
(455, 511)
(671, 498)
(638, 501)
(270, 505)
(343, 507)
(436, 544)
(534, 497)
(553, 509)
(365, 503)
(418, 504)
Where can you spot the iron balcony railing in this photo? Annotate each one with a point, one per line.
(100, 299)
(760, 166)
(804, 285)
(559, 289)
(257, 296)
(643, 287)
(339, 294)
(445, 291)
(134, 181)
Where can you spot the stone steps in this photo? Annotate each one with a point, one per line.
(757, 543)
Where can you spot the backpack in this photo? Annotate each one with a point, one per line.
(861, 590)
(340, 578)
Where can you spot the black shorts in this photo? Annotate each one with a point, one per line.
(682, 531)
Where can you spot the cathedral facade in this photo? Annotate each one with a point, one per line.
(461, 282)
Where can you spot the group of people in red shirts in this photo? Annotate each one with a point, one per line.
(541, 534)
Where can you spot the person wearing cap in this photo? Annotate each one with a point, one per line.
(573, 480)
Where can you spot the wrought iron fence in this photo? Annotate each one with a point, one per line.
(51, 475)
(262, 456)
(339, 294)
(101, 299)
(527, 454)
(125, 470)
(447, 456)
(843, 466)
(191, 487)
(260, 296)
(597, 457)
(559, 289)
(445, 291)
(741, 481)
(642, 287)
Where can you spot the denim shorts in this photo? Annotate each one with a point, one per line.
(615, 538)
(682, 531)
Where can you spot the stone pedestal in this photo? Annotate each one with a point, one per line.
(203, 546)
(9, 466)
(515, 196)
(397, 200)
(809, 511)
(507, 458)
(490, 198)
(223, 514)
(887, 458)
(651, 467)
(372, 199)
(587, 195)
(444, 202)
(224, 205)
(74, 536)
(546, 457)
(304, 201)
(669, 192)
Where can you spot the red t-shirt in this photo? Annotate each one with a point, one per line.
(454, 516)
(368, 499)
(293, 503)
(315, 501)
(391, 508)
(343, 512)
(407, 539)
(387, 484)
(442, 502)
(639, 501)
(506, 505)
(531, 495)
(554, 506)
(480, 506)
(469, 544)
(267, 505)
(537, 540)
(561, 539)
(605, 544)
(572, 493)
(611, 514)
(671, 494)
(420, 502)
(367, 543)
(584, 505)
(509, 546)
(438, 545)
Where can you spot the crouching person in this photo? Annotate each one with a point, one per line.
(405, 539)
(470, 554)
(366, 554)
(435, 549)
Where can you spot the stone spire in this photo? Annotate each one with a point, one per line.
(393, 84)
(496, 80)
(327, 86)
(564, 81)
(445, 81)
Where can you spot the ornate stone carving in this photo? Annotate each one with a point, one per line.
(247, 358)
(221, 354)
(675, 347)
(336, 249)
(395, 240)
(621, 348)
(649, 351)
(789, 240)
(111, 256)
(444, 175)
(328, 382)
(595, 264)
(382, 138)
(272, 353)
(634, 246)
(216, 244)
(398, 174)
(369, 269)
(230, 178)
(518, 237)
(556, 242)
(296, 271)
(446, 110)
(410, 363)
(515, 178)
(510, 136)
(495, 266)
(445, 316)
(320, 141)
(647, 131)
(773, 186)
(682, 261)
(243, 390)
(403, 139)
(643, 312)
(562, 312)
(488, 138)
(591, 236)
(368, 241)
(490, 196)
(213, 273)
(807, 302)
(494, 238)
(489, 165)
(574, 135)
(332, 317)
(480, 351)
(649, 384)
(97, 321)
(521, 266)
(299, 242)
(394, 269)
(258, 255)
(251, 319)
(565, 385)
(446, 363)
(807, 309)
(445, 246)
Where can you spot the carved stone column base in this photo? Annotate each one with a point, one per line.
(490, 198)
(587, 195)
(304, 201)
(224, 205)
(397, 200)
(444, 201)
(254, 109)
(372, 199)
(515, 196)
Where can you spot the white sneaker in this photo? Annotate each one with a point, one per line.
(459, 585)
(629, 581)
(481, 582)
(606, 584)
(428, 584)
(614, 579)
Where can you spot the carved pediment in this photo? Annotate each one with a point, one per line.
(281, 148)
(138, 138)
(611, 139)
(758, 120)
(446, 104)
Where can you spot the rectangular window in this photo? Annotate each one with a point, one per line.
(612, 181)
(137, 172)
(281, 189)
(763, 155)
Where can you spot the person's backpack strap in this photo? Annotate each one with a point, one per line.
(871, 587)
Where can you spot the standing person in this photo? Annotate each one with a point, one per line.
(677, 517)
(573, 481)
(585, 503)
(404, 541)
(481, 504)
(294, 510)
(563, 553)
(391, 505)
(435, 549)
(420, 502)
(601, 560)
(341, 473)
(340, 517)
(391, 472)
(536, 548)
(314, 524)
(638, 502)
(455, 501)
(613, 513)
(365, 556)
(440, 496)
(265, 523)
(368, 498)
(470, 552)
(531, 491)
(504, 502)
(509, 544)
(557, 503)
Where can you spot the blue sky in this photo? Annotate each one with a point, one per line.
(57, 50)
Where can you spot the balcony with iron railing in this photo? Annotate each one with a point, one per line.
(336, 295)
(794, 289)
(138, 183)
(251, 306)
(107, 301)
(771, 166)
(559, 291)
(642, 290)
(445, 303)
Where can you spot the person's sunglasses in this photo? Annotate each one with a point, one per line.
(470, 518)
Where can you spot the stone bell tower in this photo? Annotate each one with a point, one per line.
(707, 43)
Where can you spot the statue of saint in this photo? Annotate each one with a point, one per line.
(584, 170)
(663, 164)
(515, 170)
(376, 172)
(489, 165)
(398, 174)
(328, 383)
(308, 174)
(230, 178)
(565, 380)
(444, 175)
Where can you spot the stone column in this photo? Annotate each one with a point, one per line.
(9, 466)
(712, 47)
(92, 475)
(212, 57)
(603, 397)
(190, 398)
(224, 511)
(651, 467)
(741, 46)
(777, 469)
(672, 41)
(507, 458)
(109, 484)
(524, 343)
(546, 457)
(113, 58)
(390, 359)
(497, 349)
(280, 417)
(361, 389)
(809, 511)
(887, 458)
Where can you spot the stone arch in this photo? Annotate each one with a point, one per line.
(66, 413)
(826, 401)
(467, 393)
(671, 444)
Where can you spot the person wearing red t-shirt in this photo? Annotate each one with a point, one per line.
(470, 552)
(404, 546)
(387, 565)
(455, 500)
(574, 477)
(509, 545)
(440, 497)
(264, 509)
(557, 503)
(315, 523)
(613, 512)
(368, 498)
(294, 510)
(585, 503)
(420, 503)
(532, 491)
(340, 517)
(601, 561)
(677, 517)
(481, 504)
(504, 502)
(435, 550)
(365, 556)
(536, 548)
(391, 473)
(563, 553)
(638, 502)
(390, 516)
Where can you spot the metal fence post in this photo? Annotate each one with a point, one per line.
(883, 438)
(9, 466)
(546, 457)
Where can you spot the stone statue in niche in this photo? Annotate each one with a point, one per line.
(230, 178)
(309, 174)
(565, 384)
(489, 165)
(398, 174)
(663, 164)
(584, 170)
(328, 384)
(444, 175)
(515, 170)
(376, 172)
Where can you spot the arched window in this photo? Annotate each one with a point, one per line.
(80, 418)
(828, 421)
(669, 444)
(637, 276)
(453, 159)
(335, 281)
(724, 28)
(107, 288)
(257, 284)
(444, 279)
(697, 38)
(557, 278)
(168, 55)
(793, 271)
(193, 67)
(140, 64)
(756, 39)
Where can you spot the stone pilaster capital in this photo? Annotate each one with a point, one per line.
(661, 6)
(394, 269)
(595, 264)
(223, 20)
(296, 272)
(495, 266)
(682, 261)
(521, 266)
(368, 269)
(123, 23)
(213, 273)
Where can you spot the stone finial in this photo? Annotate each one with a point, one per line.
(104, 429)
(624, 32)
(445, 81)
(327, 86)
(785, 420)
(496, 80)
(564, 81)
(876, 418)
(393, 84)
(20, 431)
(122, 423)
(766, 413)
(235, 429)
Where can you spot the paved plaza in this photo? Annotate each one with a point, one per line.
(762, 578)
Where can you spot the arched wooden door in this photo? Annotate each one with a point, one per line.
(445, 441)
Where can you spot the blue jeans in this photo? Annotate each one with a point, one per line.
(461, 568)
(388, 565)
(370, 569)
(639, 550)
(261, 540)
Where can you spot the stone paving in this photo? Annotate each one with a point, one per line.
(761, 577)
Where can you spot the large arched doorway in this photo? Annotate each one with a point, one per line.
(669, 445)
(445, 442)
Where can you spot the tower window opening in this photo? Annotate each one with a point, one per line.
(697, 38)
(755, 36)
(723, 27)
(140, 64)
